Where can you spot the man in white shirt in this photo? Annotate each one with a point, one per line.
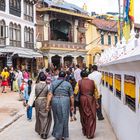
(77, 73)
(97, 77)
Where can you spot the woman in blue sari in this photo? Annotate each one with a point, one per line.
(61, 98)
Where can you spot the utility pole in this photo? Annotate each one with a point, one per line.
(119, 24)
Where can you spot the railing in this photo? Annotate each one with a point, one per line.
(62, 44)
(29, 45)
(15, 43)
(2, 41)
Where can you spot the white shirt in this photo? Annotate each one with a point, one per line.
(32, 96)
(77, 74)
(96, 77)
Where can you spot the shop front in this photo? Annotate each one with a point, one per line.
(20, 58)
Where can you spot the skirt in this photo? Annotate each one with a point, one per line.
(4, 83)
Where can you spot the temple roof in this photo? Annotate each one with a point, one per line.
(64, 5)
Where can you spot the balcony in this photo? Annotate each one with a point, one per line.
(62, 44)
(2, 6)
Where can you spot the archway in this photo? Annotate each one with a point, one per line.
(68, 60)
(56, 61)
(80, 60)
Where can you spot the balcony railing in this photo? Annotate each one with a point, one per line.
(62, 44)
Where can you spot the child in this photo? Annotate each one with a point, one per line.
(26, 95)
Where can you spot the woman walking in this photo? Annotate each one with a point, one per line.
(43, 117)
(61, 95)
(87, 107)
(5, 76)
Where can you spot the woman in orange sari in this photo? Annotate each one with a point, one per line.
(88, 104)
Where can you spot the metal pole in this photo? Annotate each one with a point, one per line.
(119, 4)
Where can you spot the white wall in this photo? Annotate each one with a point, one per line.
(4, 15)
(125, 122)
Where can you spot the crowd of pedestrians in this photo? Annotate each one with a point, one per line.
(61, 92)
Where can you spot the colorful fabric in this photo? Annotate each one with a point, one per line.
(4, 83)
(126, 31)
(5, 74)
(131, 10)
(126, 11)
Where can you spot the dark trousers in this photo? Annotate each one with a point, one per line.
(11, 85)
(75, 105)
(99, 110)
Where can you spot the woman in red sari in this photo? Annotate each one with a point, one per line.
(88, 104)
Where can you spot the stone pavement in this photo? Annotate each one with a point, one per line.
(14, 125)
(10, 108)
(24, 130)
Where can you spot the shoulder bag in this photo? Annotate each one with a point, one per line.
(38, 96)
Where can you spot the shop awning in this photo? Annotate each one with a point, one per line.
(21, 52)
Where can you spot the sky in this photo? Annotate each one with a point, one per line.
(103, 6)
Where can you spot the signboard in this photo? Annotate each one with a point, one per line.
(9, 61)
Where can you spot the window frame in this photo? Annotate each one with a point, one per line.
(15, 7)
(2, 5)
(2, 32)
(28, 11)
(29, 38)
(102, 38)
(15, 34)
(109, 39)
(116, 39)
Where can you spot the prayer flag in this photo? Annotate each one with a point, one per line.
(126, 31)
(131, 10)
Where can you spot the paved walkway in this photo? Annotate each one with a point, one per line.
(9, 105)
(24, 130)
(21, 129)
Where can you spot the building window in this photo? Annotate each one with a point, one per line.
(130, 91)
(28, 38)
(102, 38)
(109, 39)
(28, 11)
(117, 85)
(116, 39)
(2, 5)
(2, 32)
(15, 7)
(15, 35)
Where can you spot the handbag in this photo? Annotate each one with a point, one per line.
(38, 96)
